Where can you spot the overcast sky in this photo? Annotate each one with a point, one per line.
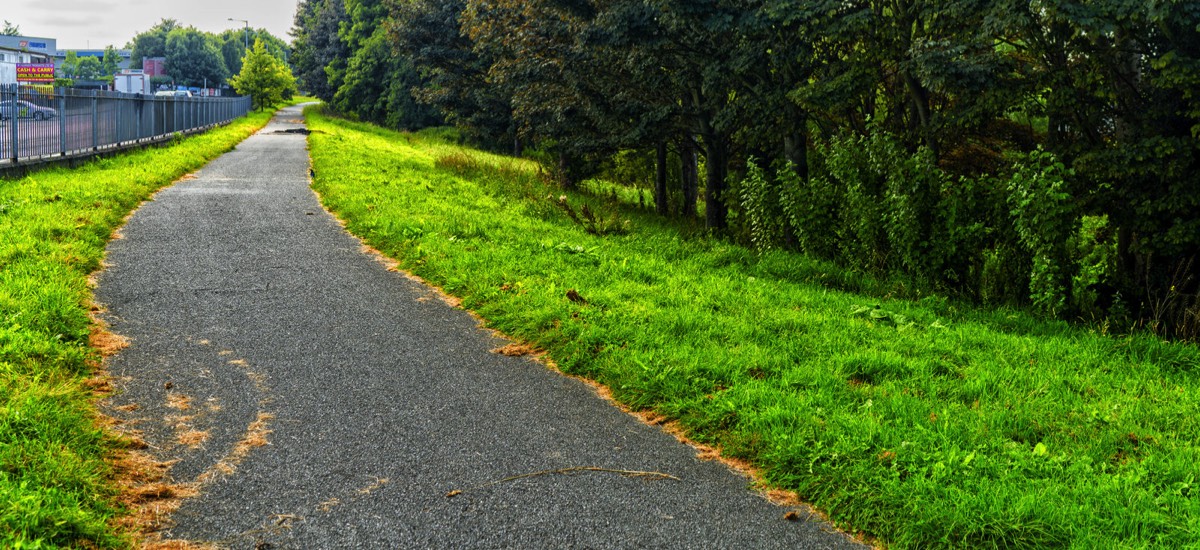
(80, 24)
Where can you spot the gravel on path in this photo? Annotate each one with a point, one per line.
(319, 400)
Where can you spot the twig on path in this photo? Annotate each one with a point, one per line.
(564, 471)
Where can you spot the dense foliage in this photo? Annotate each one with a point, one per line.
(198, 58)
(1040, 152)
(193, 58)
(343, 56)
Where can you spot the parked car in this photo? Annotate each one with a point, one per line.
(25, 109)
(173, 93)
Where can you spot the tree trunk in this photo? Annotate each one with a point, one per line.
(1058, 98)
(1126, 259)
(920, 102)
(795, 149)
(566, 173)
(689, 168)
(661, 198)
(714, 184)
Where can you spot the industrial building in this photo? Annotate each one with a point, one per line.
(125, 55)
(23, 50)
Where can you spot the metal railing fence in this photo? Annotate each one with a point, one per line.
(37, 124)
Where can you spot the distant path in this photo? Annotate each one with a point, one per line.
(322, 401)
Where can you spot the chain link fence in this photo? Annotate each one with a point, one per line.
(40, 123)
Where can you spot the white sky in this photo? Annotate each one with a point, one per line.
(82, 24)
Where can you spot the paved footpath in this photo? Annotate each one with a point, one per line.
(320, 401)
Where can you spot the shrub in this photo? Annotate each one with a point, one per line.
(1046, 222)
(810, 208)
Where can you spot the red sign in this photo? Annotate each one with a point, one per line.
(35, 72)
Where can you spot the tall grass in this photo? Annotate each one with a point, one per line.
(56, 488)
(922, 422)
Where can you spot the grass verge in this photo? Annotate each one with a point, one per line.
(56, 481)
(924, 423)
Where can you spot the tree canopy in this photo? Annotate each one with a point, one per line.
(344, 55)
(152, 43)
(236, 43)
(194, 57)
(110, 63)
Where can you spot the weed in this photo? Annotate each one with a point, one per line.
(596, 224)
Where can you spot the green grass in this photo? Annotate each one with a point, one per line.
(925, 423)
(56, 488)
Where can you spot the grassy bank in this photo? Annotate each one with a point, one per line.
(924, 423)
(56, 488)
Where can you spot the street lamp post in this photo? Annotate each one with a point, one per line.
(245, 35)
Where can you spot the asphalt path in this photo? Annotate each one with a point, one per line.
(318, 400)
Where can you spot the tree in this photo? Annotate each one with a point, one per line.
(110, 63)
(317, 45)
(1116, 82)
(152, 43)
(264, 77)
(378, 87)
(70, 65)
(697, 35)
(10, 29)
(193, 58)
(375, 83)
(544, 73)
(454, 74)
(638, 71)
(82, 68)
(89, 68)
(235, 43)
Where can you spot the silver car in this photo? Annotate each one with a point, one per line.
(25, 109)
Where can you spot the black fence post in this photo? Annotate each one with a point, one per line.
(62, 121)
(95, 122)
(14, 117)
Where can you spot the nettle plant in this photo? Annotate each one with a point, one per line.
(875, 206)
(760, 206)
(1046, 220)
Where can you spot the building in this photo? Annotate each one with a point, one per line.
(22, 50)
(154, 66)
(10, 58)
(30, 44)
(125, 55)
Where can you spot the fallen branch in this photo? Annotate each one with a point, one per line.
(564, 471)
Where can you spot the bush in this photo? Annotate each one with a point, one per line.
(1016, 238)
(760, 206)
(1046, 222)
